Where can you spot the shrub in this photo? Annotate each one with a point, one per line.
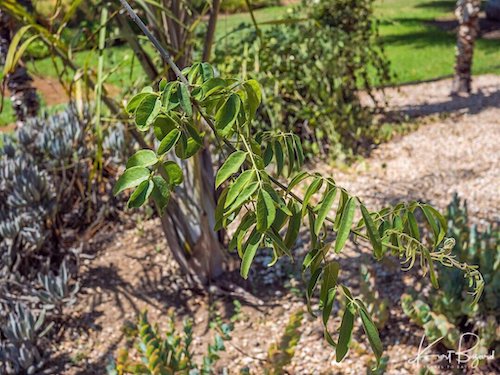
(450, 311)
(233, 6)
(312, 71)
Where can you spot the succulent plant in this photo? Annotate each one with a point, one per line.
(169, 354)
(46, 188)
(449, 312)
(57, 290)
(20, 339)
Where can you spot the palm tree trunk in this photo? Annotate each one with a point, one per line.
(467, 12)
(20, 84)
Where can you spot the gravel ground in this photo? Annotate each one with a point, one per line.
(453, 152)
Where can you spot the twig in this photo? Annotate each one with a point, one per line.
(163, 52)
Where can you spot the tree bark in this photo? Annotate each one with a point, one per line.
(190, 215)
(20, 84)
(467, 12)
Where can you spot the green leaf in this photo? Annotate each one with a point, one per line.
(254, 96)
(10, 59)
(266, 212)
(243, 197)
(251, 247)
(345, 224)
(340, 209)
(141, 194)
(230, 166)
(187, 147)
(298, 149)
(412, 222)
(174, 172)
(278, 242)
(164, 124)
(136, 100)
(207, 72)
(162, 84)
(311, 286)
(291, 154)
(131, 178)
(212, 86)
(227, 114)
(328, 286)
(147, 111)
(280, 161)
(432, 223)
(167, 93)
(268, 154)
(292, 231)
(372, 231)
(372, 332)
(185, 99)
(324, 208)
(238, 185)
(169, 141)
(345, 333)
(301, 176)
(219, 210)
(311, 190)
(142, 158)
(236, 241)
(161, 193)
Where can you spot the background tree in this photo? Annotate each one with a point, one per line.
(20, 84)
(467, 12)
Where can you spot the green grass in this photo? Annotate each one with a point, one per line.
(420, 51)
(417, 50)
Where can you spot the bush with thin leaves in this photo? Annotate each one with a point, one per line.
(312, 67)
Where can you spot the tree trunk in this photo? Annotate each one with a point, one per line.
(467, 12)
(22, 93)
(190, 215)
(189, 221)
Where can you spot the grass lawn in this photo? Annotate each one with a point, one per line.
(420, 51)
(417, 50)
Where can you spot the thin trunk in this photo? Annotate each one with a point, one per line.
(190, 216)
(467, 12)
(212, 23)
(20, 84)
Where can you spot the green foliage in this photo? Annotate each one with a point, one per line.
(312, 68)
(280, 354)
(377, 306)
(232, 6)
(449, 312)
(266, 213)
(168, 353)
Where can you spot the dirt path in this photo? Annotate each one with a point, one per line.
(456, 152)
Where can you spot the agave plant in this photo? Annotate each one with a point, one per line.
(20, 341)
(57, 291)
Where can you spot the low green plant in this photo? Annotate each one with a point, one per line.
(448, 313)
(167, 353)
(377, 306)
(280, 354)
(233, 6)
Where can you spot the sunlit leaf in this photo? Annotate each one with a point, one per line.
(131, 178)
(230, 167)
